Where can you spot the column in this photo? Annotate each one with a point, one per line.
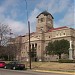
(31, 46)
(70, 51)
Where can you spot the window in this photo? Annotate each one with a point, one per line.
(46, 53)
(38, 20)
(41, 29)
(42, 19)
(39, 47)
(64, 33)
(48, 16)
(35, 45)
(49, 36)
(60, 34)
(26, 48)
(57, 34)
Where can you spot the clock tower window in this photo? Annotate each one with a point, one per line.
(42, 19)
(38, 20)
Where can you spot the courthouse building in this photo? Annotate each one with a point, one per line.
(45, 32)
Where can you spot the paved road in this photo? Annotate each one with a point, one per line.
(18, 72)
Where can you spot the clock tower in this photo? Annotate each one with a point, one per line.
(44, 22)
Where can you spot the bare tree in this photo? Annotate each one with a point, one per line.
(4, 32)
(4, 37)
(7, 43)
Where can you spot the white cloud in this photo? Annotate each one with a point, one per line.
(14, 13)
(6, 4)
(32, 19)
(34, 13)
(68, 19)
(60, 6)
(2, 9)
(54, 6)
(16, 26)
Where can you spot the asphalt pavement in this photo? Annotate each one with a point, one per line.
(30, 72)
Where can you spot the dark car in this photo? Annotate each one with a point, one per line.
(14, 65)
(2, 64)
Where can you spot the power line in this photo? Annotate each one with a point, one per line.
(26, 9)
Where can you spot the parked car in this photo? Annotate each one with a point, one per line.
(2, 64)
(15, 65)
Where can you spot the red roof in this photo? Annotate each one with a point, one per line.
(57, 28)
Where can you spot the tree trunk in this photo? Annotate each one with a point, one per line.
(59, 56)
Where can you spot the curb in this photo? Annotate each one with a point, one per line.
(71, 73)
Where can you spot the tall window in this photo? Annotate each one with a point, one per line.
(42, 19)
(64, 33)
(38, 20)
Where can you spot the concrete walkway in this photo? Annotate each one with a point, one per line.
(71, 73)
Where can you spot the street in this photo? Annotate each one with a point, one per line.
(28, 72)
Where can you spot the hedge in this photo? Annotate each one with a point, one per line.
(66, 61)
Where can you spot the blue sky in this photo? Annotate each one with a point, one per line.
(14, 13)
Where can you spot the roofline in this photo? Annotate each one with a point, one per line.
(57, 28)
(47, 12)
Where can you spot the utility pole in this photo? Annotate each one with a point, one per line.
(29, 44)
(29, 36)
(0, 38)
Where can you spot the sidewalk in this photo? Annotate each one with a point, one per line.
(61, 72)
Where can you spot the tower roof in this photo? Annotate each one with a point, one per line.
(45, 13)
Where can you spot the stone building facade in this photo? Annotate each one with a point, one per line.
(45, 32)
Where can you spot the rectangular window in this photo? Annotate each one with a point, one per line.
(38, 20)
(42, 19)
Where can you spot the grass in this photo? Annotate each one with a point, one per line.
(52, 66)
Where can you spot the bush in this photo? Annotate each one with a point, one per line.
(66, 61)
